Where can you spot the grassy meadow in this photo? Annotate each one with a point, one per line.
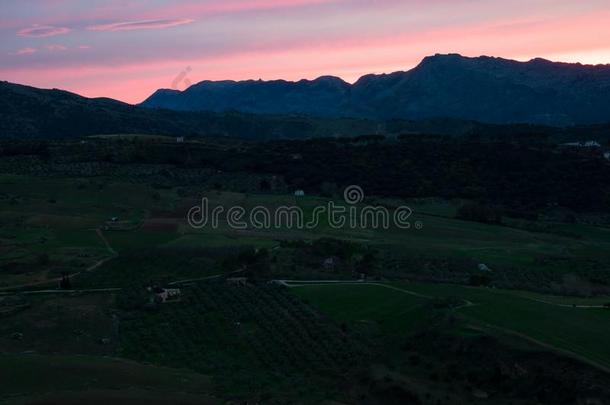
(74, 379)
(111, 233)
(50, 226)
(579, 331)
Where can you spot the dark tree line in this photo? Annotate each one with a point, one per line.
(521, 176)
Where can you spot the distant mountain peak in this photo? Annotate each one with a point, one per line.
(541, 61)
(330, 79)
(484, 88)
(166, 91)
(444, 56)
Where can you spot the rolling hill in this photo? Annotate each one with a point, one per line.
(29, 112)
(32, 113)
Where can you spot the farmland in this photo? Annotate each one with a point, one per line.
(47, 232)
(578, 331)
(87, 237)
(257, 341)
(73, 379)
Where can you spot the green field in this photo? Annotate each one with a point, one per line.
(74, 379)
(58, 216)
(581, 332)
(392, 311)
(288, 340)
(53, 226)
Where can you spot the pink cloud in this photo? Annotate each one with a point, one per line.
(26, 51)
(55, 48)
(42, 31)
(140, 25)
(253, 5)
(56, 14)
(294, 39)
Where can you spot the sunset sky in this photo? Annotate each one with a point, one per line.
(126, 49)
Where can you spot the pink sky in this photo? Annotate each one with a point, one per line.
(127, 49)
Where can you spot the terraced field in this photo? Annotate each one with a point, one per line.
(255, 340)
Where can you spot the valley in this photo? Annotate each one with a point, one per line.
(355, 313)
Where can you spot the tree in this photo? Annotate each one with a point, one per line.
(256, 262)
(479, 280)
(328, 189)
(367, 264)
(65, 283)
(265, 185)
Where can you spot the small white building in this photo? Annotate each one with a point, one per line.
(179, 139)
(299, 193)
(483, 267)
(329, 263)
(162, 295)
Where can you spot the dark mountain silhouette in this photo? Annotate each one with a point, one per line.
(444, 95)
(485, 89)
(29, 112)
(324, 97)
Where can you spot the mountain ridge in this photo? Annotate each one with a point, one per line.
(28, 112)
(486, 89)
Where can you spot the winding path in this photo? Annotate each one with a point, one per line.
(478, 325)
(11, 289)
